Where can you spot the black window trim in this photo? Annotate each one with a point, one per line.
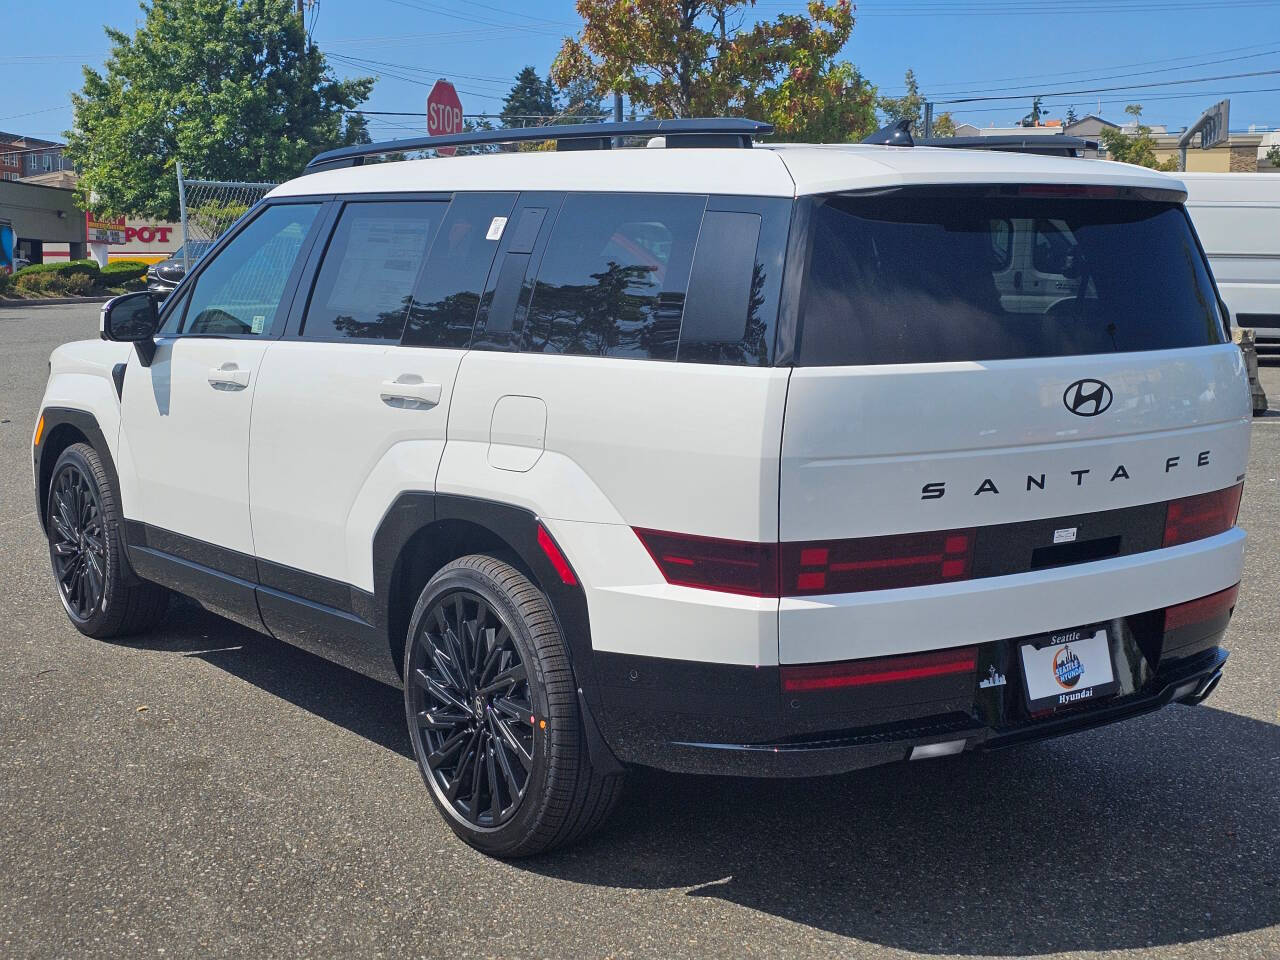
(490, 274)
(295, 323)
(180, 297)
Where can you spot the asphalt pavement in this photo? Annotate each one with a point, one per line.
(207, 791)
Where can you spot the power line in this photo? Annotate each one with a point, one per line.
(1059, 9)
(1134, 86)
(1121, 76)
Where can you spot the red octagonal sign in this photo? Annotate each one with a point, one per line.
(444, 114)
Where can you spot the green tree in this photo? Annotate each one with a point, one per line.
(688, 58)
(1273, 156)
(579, 99)
(1071, 115)
(232, 88)
(1032, 119)
(531, 96)
(1138, 147)
(910, 107)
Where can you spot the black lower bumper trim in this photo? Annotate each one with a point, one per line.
(1188, 682)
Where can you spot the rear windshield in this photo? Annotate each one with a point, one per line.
(917, 278)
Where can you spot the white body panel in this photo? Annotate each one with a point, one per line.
(861, 444)
(80, 379)
(329, 455)
(685, 447)
(1237, 216)
(184, 439)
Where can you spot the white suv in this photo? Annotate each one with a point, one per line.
(706, 458)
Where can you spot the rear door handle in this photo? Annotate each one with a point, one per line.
(228, 377)
(410, 391)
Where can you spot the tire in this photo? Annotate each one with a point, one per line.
(87, 552)
(493, 714)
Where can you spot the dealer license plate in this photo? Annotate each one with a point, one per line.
(1067, 668)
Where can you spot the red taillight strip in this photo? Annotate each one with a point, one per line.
(860, 564)
(1201, 610)
(859, 673)
(1203, 515)
(552, 550)
(711, 563)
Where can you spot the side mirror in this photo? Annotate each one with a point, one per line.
(132, 318)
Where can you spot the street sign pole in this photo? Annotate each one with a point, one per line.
(1213, 128)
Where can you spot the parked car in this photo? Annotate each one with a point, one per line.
(705, 458)
(1237, 216)
(164, 277)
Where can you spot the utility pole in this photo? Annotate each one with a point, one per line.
(928, 120)
(617, 115)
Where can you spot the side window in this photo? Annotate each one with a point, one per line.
(366, 279)
(444, 307)
(239, 291)
(172, 321)
(613, 279)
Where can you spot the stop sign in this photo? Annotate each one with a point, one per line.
(444, 114)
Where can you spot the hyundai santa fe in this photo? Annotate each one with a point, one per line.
(716, 457)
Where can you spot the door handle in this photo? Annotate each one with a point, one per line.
(410, 391)
(228, 377)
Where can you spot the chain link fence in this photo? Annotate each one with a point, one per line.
(209, 207)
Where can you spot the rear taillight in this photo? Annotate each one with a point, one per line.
(859, 673)
(730, 566)
(1201, 610)
(1204, 515)
(811, 567)
(876, 563)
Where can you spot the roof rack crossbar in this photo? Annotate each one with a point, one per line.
(720, 131)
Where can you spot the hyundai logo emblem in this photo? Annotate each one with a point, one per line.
(1087, 398)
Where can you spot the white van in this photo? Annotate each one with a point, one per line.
(709, 458)
(1237, 216)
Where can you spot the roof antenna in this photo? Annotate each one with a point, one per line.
(896, 134)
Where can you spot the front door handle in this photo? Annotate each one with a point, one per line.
(228, 377)
(410, 391)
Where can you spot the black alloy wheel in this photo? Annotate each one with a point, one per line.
(77, 542)
(473, 713)
(102, 596)
(493, 713)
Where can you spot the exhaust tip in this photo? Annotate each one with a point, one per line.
(928, 750)
(1204, 690)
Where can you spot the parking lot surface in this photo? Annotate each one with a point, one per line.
(207, 791)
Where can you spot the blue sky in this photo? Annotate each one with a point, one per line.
(957, 48)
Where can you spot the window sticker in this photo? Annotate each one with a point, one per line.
(496, 226)
(259, 323)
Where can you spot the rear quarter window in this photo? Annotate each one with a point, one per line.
(613, 279)
(922, 278)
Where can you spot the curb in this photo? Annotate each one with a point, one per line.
(53, 301)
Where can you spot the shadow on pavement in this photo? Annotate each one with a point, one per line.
(366, 707)
(1161, 830)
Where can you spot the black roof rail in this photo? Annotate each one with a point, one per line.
(1050, 145)
(693, 132)
(896, 134)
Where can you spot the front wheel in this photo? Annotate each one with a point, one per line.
(86, 549)
(493, 713)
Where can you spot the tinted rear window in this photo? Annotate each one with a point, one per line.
(918, 278)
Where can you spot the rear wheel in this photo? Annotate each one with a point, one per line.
(493, 713)
(86, 549)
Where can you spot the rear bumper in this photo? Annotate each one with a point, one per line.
(696, 718)
(852, 751)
